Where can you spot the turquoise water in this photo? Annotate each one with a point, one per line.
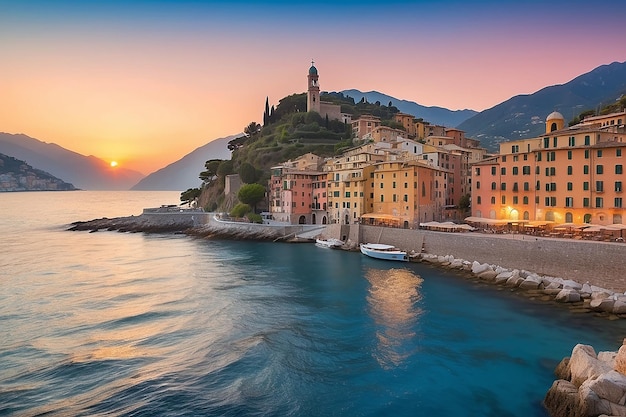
(117, 324)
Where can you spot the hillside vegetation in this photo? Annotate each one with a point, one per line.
(289, 131)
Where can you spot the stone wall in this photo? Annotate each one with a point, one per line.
(600, 263)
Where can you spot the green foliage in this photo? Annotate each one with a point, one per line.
(240, 210)
(189, 196)
(225, 168)
(251, 194)
(211, 166)
(248, 173)
(254, 218)
(465, 202)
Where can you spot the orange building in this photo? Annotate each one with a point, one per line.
(569, 175)
(364, 125)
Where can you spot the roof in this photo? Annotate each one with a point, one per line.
(555, 115)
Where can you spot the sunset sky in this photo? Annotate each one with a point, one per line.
(146, 82)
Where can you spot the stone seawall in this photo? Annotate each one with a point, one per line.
(600, 263)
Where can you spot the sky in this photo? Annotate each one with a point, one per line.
(145, 82)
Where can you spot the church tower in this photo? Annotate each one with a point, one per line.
(313, 92)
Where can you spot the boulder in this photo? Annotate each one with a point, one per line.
(620, 360)
(610, 386)
(477, 268)
(488, 275)
(457, 263)
(602, 305)
(554, 285)
(620, 305)
(562, 399)
(531, 282)
(568, 283)
(568, 295)
(502, 277)
(584, 364)
(514, 281)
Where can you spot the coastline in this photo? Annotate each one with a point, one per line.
(598, 293)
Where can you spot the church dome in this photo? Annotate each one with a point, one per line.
(312, 70)
(555, 115)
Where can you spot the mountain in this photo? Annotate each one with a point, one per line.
(434, 115)
(524, 116)
(85, 172)
(183, 174)
(17, 175)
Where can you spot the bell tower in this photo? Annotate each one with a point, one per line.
(313, 91)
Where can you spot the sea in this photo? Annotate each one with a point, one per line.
(133, 324)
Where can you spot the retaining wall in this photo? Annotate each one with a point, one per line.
(601, 263)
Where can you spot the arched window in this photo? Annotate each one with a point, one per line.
(553, 127)
(526, 215)
(587, 218)
(569, 218)
(492, 214)
(302, 220)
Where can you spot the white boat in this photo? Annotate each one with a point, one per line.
(382, 251)
(331, 243)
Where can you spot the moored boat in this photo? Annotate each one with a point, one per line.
(382, 251)
(331, 243)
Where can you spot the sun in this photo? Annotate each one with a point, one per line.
(113, 164)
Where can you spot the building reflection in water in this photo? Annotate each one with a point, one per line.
(394, 305)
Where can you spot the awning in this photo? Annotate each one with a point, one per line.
(484, 220)
(380, 216)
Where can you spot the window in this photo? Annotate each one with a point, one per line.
(335, 193)
(569, 170)
(618, 186)
(477, 171)
(569, 201)
(572, 141)
(599, 202)
(393, 185)
(526, 186)
(618, 152)
(586, 186)
(405, 198)
(515, 200)
(538, 186)
(599, 186)
(406, 185)
(347, 194)
(546, 142)
(493, 170)
(515, 170)
(503, 199)
(515, 186)
(493, 200)
(618, 202)
(525, 200)
(587, 140)
(514, 148)
(395, 198)
(526, 170)
(503, 158)
(503, 186)
(539, 156)
(503, 171)
(619, 169)
(586, 169)
(570, 186)
(585, 202)
(554, 142)
(381, 185)
(382, 198)
(586, 153)
(569, 154)
(493, 186)
(599, 153)
(599, 169)
(478, 185)
(478, 200)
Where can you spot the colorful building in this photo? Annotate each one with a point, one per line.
(568, 175)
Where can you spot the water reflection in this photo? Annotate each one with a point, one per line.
(394, 305)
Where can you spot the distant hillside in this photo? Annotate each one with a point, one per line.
(183, 174)
(17, 175)
(85, 172)
(434, 115)
(524, 116)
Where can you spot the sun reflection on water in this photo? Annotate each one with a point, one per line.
(394, 305)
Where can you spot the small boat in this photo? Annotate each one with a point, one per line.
(382, 251)
(331, 243)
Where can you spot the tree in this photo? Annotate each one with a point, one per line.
(240, 210)
(211, 171)
(252, 129)
(248, 173)
(190, 196)
(465, 202)
(251, 194)
(266, 114)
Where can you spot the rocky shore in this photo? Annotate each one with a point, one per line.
(583, 297)
(142, 223)
(589, 384)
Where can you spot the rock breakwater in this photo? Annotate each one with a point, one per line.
(580, 296)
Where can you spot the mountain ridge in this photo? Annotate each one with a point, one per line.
(183, 173)
(523, 116)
